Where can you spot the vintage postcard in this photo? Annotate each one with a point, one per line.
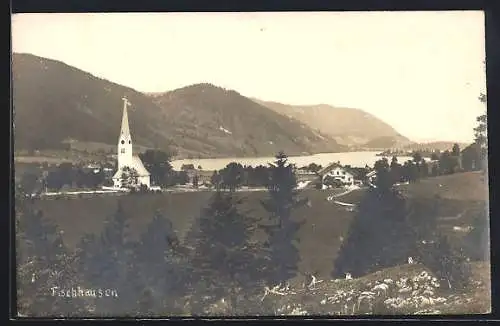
(250, 164)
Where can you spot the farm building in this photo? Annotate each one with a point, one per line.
(335, 174)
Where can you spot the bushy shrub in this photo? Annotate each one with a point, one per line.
(447, 263)
(225, 263)
(380, 235)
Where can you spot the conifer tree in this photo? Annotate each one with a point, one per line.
(160, 267)
(44, 266)
(380, 235)
(283, 198)
(395, 170)
(108, 262)
(384, 179)
(224, 260)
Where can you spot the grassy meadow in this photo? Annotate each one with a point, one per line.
(459, 197)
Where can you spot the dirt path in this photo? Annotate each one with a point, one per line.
(451, 218)
(332, 197)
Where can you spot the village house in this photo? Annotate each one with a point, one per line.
(371, 177)
(204, 177)
(338, 173)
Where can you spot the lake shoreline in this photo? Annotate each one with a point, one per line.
(354, 159)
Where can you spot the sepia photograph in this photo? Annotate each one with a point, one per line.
(250, 164)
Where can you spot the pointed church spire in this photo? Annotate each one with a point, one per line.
(125, 131)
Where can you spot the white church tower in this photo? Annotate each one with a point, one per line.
(125, 140)
(126, 158)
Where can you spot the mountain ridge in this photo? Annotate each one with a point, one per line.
(54, 102)
(349, 126)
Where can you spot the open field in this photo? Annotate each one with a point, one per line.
(320, 235)
(458, 186)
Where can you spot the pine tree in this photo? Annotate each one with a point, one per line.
(395, 170)
(160, 268)
(108, 263)
(44, 265)
(380, 235)
(481, 140)
(283, 198)
(384, 180)
(224, 260)
(455, 151)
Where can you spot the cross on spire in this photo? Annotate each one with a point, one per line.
(125, 102)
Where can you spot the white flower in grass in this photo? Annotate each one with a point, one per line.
(404, 290)
(389, 301)
(381, 288)
(428, 292)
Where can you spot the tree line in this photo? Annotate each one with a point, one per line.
(155, 273)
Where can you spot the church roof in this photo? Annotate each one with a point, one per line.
(330, 167)
(137, 165)
(136, 160)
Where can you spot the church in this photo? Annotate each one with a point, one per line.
(126, 158)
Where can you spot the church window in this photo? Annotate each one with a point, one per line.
(130, 142)
(123, 142)
(122, 150)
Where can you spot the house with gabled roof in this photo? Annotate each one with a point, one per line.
(337, 172)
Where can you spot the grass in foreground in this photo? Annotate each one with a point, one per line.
(401, 290)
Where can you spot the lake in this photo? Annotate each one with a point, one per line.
(355, 159)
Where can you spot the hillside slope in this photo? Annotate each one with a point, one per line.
(228, 122)
(54, 102)
(348, 126)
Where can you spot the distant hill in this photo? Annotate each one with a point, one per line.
(385, 142)
(225, 121)
(352, 127)
(55, 103)
(435, 145)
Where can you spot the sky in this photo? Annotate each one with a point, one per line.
(421, 72)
